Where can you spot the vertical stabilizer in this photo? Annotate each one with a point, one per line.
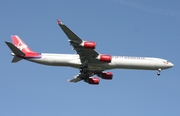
(20, 44)
(21, 50)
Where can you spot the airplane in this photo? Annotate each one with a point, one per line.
(87, 59)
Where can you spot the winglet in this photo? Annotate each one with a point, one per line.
(59, 22)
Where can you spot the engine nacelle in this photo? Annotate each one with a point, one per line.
(104, 58)
(94, 81)
(90, 45)
(106, 75)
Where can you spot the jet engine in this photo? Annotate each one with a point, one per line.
(90, 45)
(104, 58)
(106, 75)
(94, 81)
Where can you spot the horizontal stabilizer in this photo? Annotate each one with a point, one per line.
(16, 59)
(14, 49)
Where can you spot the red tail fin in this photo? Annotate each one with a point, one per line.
(20, 44)
(24, 48)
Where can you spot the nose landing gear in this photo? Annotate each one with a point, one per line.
(159, 72)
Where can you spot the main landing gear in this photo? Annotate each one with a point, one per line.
(84, 69)
(159, 72)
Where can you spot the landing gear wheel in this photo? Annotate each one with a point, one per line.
(81, 67)
(86, 65)
(159, 72)
(83, 70)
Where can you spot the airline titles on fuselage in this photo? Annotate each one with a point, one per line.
(115, 57)
(128, 57)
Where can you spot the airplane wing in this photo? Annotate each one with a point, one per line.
(87, 55)
(77, 43)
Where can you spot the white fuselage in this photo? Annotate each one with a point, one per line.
(122, 62)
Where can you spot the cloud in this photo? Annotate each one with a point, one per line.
(149, 9)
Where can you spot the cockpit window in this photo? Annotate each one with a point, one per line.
(166, 62)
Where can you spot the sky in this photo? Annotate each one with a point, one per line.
(120, 27)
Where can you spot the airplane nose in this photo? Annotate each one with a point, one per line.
(171, 64)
